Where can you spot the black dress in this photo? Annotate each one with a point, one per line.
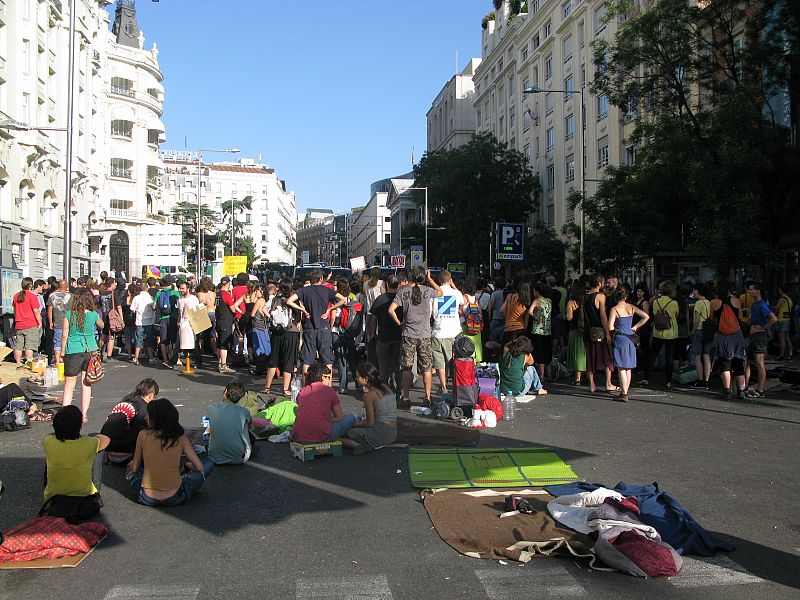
(598, 354)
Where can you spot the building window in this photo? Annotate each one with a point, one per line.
(501, 133)
(122, 86)
(527, 152)
(478, 117)
(533, 7)
(538, 148)
(569, 127)
(511, 114)
(548, 103)
(550, 216)
(548, 29)
(122, 128)
(511, 86)
(566, 47)
(524, 54)
(536, 76)
(630, 155)
(602, 152)
(248, 219)
(26, 56)
(122, 167)
(548, 66)
(26, 108)
(551, 178)
(566, 9)
(551, 138)
(600, 18)
(569, 86)
(581, 34)
(602, 107)
(569, 168)
(535, 42)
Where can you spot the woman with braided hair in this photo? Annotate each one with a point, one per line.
(379, 428)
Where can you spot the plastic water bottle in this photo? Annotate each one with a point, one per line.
(509, 406)
(295, 387)
(206, 425)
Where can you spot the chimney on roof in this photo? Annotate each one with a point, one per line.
(125, 26)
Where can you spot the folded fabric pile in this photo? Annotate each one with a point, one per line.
(49, 538)
(623, 541)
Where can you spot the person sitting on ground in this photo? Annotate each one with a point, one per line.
(319, 415)
(230, 442)
(276, 417)
(517, 373)
(379, 429)
(155, 471)
(70, 457)
(127, 419)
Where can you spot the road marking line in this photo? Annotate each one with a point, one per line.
(365, 587)
(715, 571)
(549, 580)
(154, 592)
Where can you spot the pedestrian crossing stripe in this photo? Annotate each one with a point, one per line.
(446, 306)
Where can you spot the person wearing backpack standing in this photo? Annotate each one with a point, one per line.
(388, 335)
(165, 308)
(344, 345)
(702, 335)
(730, 349)
(285, 338)
(472, 321)
(57, 306)
(665, 329)
(447, 309)
(761, 319)
(145, 324)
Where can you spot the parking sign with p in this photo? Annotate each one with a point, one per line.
(510, 240)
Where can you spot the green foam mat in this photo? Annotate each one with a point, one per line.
(487, 467)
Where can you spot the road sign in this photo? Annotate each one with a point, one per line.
(510, 240)
(416, 258)
(399, 261)
(233, 265)
(497, 266)
(416, 248)
(458, 267)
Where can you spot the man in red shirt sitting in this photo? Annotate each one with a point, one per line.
(319, 415)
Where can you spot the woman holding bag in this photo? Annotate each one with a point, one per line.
(79, 348)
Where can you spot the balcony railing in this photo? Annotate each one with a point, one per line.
(122, 91)
(122, 173)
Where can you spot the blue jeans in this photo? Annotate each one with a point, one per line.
(341, 427)
(531, 379)
(190, 483)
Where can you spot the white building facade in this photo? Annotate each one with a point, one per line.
(371, 230)
(112, 120)
(451, 118)
(272, 219)
(549, 47)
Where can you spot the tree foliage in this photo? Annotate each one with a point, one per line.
(470, 188)
(185, 214)
(545, 251)
(716, 171)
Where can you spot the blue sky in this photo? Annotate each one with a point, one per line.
(333, 94)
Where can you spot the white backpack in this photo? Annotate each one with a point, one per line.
(280, 315)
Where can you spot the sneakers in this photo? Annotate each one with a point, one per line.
(134, 361)
(225, 369)
(404, 403)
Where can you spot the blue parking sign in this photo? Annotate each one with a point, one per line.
(510, 241)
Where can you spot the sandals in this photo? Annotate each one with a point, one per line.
(41, 416)
(755, 394)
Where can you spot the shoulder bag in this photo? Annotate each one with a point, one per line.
(94, 370)
(116, 323)
(596, 334)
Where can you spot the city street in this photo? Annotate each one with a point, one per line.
(353, 527)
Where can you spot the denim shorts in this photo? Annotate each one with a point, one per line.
(698, 347)
(57, 336)
(783, 326)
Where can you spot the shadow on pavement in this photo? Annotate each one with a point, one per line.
(765, 562)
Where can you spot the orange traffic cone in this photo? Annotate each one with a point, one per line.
(188, 370)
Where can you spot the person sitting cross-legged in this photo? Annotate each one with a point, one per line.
(379, 428)
(155, 471)
(230, 441)
(319, 415)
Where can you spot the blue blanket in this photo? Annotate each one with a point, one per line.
(660, 510)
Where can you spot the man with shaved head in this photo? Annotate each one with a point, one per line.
(57, 305)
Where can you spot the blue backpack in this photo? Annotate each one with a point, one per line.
(165, 302)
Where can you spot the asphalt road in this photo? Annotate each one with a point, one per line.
(353, 527)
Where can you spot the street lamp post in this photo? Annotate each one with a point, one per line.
(199, 204)
(538, 90)
(426, 220)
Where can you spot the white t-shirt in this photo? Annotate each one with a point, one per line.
(446, 313)
(185, 305)
(371, 293)
(483, 297)
(142, 306)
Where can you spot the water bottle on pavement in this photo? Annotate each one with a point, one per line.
(509, 406)
(295, 387)
(206, 426)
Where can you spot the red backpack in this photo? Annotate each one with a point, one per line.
(728, 323)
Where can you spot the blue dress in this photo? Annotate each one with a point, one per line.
(624, 350)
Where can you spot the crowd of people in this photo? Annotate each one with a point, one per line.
(381, 334)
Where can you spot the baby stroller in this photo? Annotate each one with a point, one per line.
(465, 383)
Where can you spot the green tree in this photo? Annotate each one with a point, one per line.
(469, 189)
(233, 227)
(185, 214)
(716, 172)
(413, 234)
(545, 251)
